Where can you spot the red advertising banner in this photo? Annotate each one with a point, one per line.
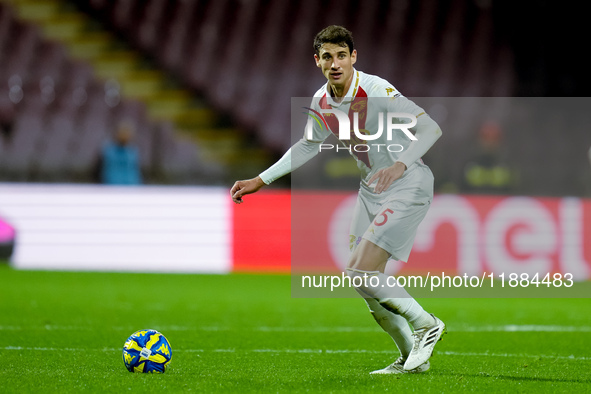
(308, 231)
(262, 232)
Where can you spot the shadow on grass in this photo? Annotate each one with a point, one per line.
(516, 378)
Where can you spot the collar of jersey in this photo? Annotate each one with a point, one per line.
(349, 95)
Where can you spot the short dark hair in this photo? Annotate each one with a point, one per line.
(334, 35)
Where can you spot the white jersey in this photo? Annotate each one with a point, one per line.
(369, 96)
(365, 106)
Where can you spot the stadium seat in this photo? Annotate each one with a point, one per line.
(50, 59)
(27, 132)
(177, 36)
(5, 25)
(150, 24)
(50, 161)
(123, 14)
(2, 132)
(201, 54)
(232, 54)
(234, 57)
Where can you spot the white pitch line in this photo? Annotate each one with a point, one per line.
(488, 354)
(56, 349)
(476, 329)
(315, 351)
(503, 328)
(524, 328)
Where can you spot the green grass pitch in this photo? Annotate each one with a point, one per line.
(63, 332)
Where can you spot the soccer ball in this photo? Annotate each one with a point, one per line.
(147, 351)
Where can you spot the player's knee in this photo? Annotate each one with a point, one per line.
(363, 262)
(367, 256)
(358, 275)
(362, 281)
(353, 262)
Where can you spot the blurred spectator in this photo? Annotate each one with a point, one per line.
(488, 171)
(120, 163)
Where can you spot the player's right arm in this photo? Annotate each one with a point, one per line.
(299, 153)
(296, 156)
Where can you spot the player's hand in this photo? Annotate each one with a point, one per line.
(387, 176)
(248, 186)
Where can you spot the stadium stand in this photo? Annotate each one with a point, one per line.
(234, 51)
(209, 82)
(67, 83)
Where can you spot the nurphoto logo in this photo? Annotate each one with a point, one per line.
(357, 140)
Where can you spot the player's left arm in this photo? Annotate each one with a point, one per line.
(427, 131)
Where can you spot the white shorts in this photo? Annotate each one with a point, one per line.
(390, 220)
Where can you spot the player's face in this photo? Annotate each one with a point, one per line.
(336, 64)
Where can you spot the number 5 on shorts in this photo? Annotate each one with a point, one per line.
(383, 215)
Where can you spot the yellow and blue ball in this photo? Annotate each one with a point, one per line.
(147, 351)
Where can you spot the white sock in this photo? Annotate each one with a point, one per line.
(393, 298)
(411, 310)
(395, 325)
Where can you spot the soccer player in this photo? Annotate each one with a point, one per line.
(388, 212)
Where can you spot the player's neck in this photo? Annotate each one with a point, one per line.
(338, 92)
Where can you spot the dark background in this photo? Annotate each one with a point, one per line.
(246, 59)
